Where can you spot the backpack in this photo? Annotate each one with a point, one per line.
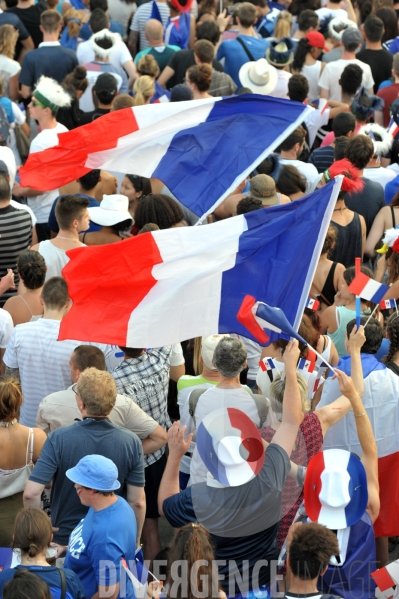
(4, 127)
(262, 404)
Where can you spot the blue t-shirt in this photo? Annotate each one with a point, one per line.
(235, 56)
(51, 576)
(108, 534)
(8, 18)
(7, 105)
(52, 61)
(391, 189)
(52, 221)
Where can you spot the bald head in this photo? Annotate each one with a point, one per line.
(153, 31)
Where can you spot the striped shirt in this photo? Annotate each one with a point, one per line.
(15, 236)
(141, 16)
(43, 362)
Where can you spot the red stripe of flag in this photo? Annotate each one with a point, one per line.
(68, 159)
(359, 283)
(382, 579)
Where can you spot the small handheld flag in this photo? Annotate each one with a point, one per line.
(392, 128)
(306, 365)
(267, 364)
(387, 579)
(386, 304)
(313, 304)
(368, 289)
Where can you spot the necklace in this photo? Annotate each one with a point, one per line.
(67, 238)
(7, 424)
(341, 209)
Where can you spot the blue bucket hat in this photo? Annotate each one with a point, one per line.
(95, 472)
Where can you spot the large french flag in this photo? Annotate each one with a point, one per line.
(201, 150)
(166, 286)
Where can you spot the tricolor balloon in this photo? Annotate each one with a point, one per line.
(230, 446)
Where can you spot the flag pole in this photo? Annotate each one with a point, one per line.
(358, 306)
(371, 315)
(321, 357)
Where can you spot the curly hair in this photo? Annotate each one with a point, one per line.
(159, 209)
(310, 551)
(32, 269)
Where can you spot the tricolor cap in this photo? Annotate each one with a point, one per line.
(335, 489)
(208, 346)
(230, 446)
(390, 240)
(50, 94)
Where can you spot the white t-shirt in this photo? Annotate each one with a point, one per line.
(314, 120)
(8, 68)
(43, 362)
(6, 327)
(380, 175)
(327, 13)
(211, 400)
(281, 89)
(309, 171)
(329, 79)
(119, 55)
(7, 156)
(41, 204)
(19, 119)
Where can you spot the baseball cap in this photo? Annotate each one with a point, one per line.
(263, 187)
(335, 490)
(351, 36)
(208, 346)
(106, 83)
(95, 472)
(316, 40)
(230, 446)
(180, 93)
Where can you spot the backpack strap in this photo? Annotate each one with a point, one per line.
(63, 583)
(193, 400)
(247, 52)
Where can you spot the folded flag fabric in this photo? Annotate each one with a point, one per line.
(138, 574)
(176, 284)
(306, 365)
(313, 304)
(200, 150)
(273, 319)
(387, 580)
(320, 378)
(386, 304)
(267, 364)
(367, 288)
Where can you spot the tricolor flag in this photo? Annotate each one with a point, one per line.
(392, 128)
(313, 304)
(138, 574)
(367, 288)
(200, 150)
(267, 364)
(386, 304)
(306, 365)
(166, 286)
(387, 580)
(321, 371)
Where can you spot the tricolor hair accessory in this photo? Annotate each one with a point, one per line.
(373, 130)
(337, 26)
(230, 446)
(104, 34)
(390, 240)
(364, 105)
(335, 489)
(351, 181)
(50, 93)
(181, 6)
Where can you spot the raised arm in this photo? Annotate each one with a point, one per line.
(178, 446)
(376, 232)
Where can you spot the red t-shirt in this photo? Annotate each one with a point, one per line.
(388, 94)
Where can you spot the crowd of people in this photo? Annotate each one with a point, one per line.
(278, 472)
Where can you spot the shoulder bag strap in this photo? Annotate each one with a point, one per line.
(247, 52)
(63, 583)
(193, 400)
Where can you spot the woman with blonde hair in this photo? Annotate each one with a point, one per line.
(283, 24)
(20, 447)
(73, 20)
(33, 534)
(147, 65)
(144, 89)
(9, 68)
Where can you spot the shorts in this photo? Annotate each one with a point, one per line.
(153, 475)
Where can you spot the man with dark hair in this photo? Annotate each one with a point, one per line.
(379, 60)
(246, 47)
(29, 13)
(266, 17)
(72, 217)
(37, 358)
(143, 375)
(47, 98)
(221, 83)
(307, 21)
(248, 205)
(291, 149)
(371, 199)
(389, 94)
(350, 82)
(343, 124)
(119, 55)
(15, 236)
(105, 90)
(309, 550)
(50, 58)
(340, 144)
(331, 74)
(174, 73)
(86, 31)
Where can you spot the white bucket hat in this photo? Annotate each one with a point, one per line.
(260, 76)
(112, 210)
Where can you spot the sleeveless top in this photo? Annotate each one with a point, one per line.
(338, 337)
(312, 74)
(327, 294)
(13, 481)
(54, 258)
(348, 244)
(352, 579)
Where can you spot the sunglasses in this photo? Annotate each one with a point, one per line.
(36, 103)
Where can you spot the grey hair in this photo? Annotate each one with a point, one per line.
(230, 356)
(277, 389)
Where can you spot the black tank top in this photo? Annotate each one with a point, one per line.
(348, 244)
(327, 294)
